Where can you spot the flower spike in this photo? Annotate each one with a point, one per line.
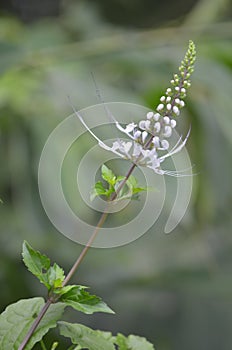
(149, 136)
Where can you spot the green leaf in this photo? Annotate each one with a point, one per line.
(132, 181)
(39, 264)
(121, 341)
(55, 276)
(120, 178)
(36, 263)
(98, 190)
(86, 337)
(134, 342)
(108, 175)
(133, 185)
(17, 319)
(79, 299)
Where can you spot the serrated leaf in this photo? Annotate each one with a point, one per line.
(17, 319)
(86, 337)
(134, 342)
(108, 175)
(39, 265)
(36, 263)
(79, 299)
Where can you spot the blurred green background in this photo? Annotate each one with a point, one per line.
(175, 289)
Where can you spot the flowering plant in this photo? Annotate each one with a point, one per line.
(25, 323)
(150, 136)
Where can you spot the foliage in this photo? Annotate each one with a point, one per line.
(113, 182)
(182, 280)
(17, 319)
(53, 277)
(90, 339)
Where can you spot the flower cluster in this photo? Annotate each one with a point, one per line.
(150, 136)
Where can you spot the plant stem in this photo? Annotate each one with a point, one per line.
(97, 228)
(78, 261)
(35, 324)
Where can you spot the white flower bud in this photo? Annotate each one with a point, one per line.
(160, 107)
(177, 100)
(167, 131)
(156, 117)
(182, 104)
(168, 91)
(168, 99)
(142, 124)
(156, 141)
(169, 106)
(172, 81)
(144, 135)
(177, 88)
(173, 123)
(165, 144)
(157, 127)
(176, 110)
(162, 98)
(183, 90)
(137, 134)
(150, 115)
(166, 120)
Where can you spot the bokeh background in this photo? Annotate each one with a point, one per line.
(175, 289)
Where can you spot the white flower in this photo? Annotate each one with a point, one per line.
(165, 144)
(137, 134)
(157, 127)
(150, 115)
(147, 124)
(160, 107)
(142, 124)
(144, 136)
(176, 110)
(167, 131)
(162, 98)
(173, 123)
(156, 141)
(136, 151)
(166, 120)
(147, 139)
(156, 116)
